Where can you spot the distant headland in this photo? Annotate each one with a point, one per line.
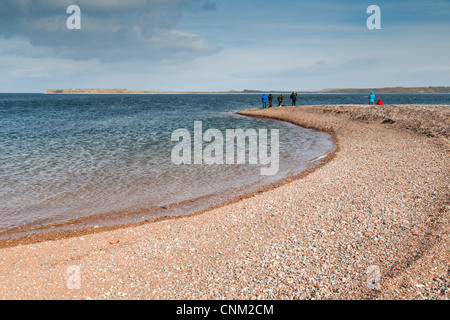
(415, 90)
(390, 90)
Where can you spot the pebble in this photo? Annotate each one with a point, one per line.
(314, 238)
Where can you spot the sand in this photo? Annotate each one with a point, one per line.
(377, 209)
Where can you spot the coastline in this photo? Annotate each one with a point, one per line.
(132, 217)
(391, 90)
(273, 219)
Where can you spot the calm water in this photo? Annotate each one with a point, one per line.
(72, 156)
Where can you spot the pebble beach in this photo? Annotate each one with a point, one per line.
(380, 201)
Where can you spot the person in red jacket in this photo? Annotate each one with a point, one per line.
(380, 102)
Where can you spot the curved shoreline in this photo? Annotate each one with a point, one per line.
(436, 228)
(382, 201)
(76, 227)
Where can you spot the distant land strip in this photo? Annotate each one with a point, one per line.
(413, 90)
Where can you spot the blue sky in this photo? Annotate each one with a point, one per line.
(208, 45)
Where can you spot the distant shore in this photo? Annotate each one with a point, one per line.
(399, 90)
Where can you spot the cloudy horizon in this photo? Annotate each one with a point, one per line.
(205, 45)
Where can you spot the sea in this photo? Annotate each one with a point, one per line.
(78, 161)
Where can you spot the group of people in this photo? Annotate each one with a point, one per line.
(268, 99)
(372, 99)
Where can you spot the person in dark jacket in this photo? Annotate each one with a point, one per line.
(280, 99)
(294, 98)
(270, 97)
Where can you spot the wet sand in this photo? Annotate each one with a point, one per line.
(382, 199)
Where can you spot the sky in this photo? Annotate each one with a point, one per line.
(221, 45)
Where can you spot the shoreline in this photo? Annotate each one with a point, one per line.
(213, 93)
(89, 224)
(381, 199)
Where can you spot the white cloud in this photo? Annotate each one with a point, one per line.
(144, 28)
(19, 59)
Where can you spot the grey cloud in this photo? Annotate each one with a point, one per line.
(324, 68)
(320, 68)
(362, 63)
(209, 6)
(110, 29)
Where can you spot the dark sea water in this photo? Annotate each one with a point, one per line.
(71, 156)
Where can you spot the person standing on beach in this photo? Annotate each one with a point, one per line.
(371, 98)
(294, 98)
(280, 99)
(264, 100)
(270, 101)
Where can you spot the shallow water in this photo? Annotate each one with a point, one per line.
(65, 157)
(71, 156)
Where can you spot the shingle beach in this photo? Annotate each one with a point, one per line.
(378, 208)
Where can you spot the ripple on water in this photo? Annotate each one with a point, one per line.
(66, 157)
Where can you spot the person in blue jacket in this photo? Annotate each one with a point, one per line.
(264, 100)
(371, 98)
